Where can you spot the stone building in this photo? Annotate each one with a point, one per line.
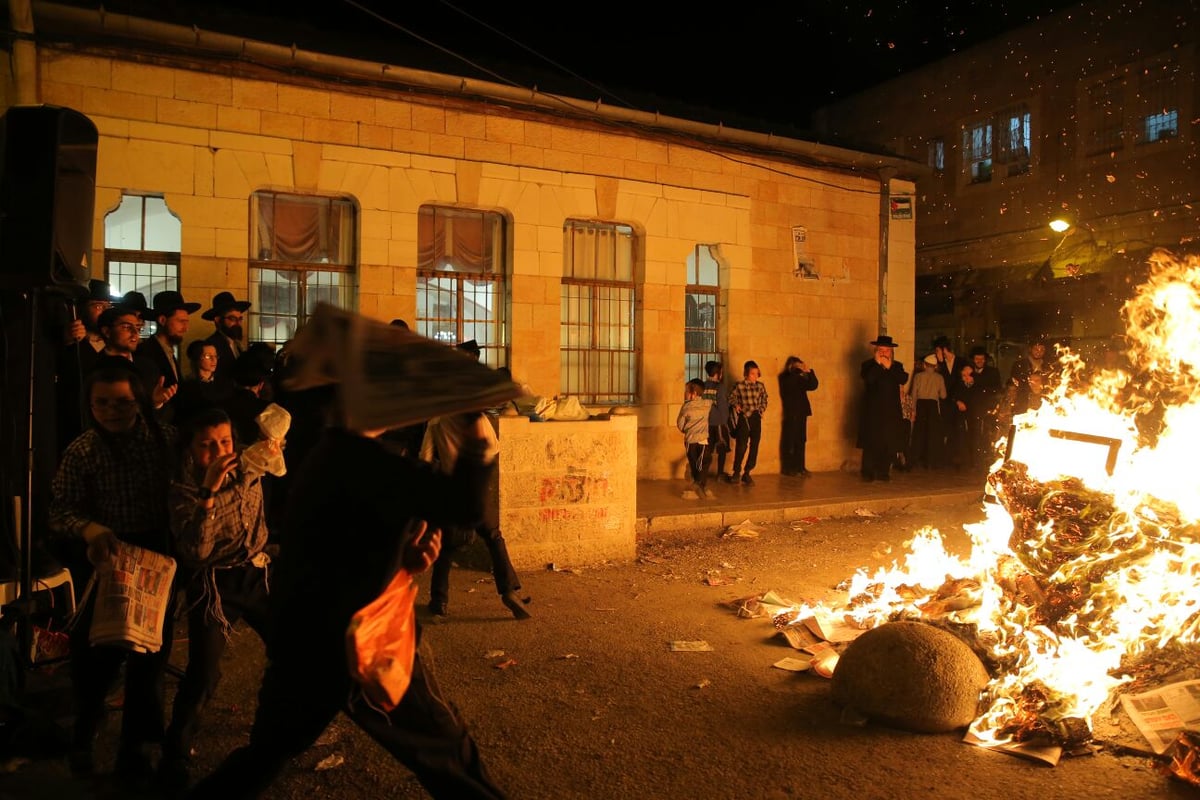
(1086, 116)
(594, 251)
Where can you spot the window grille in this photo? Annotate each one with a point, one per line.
(1159, 95)
(977, 151)
(301, 253)
(936, 156)
(702, 311)
(142, 244)
(461, 290)
(597, 350)
(1106, 116)
(1013, 144)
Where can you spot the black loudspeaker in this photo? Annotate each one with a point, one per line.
(47, 196)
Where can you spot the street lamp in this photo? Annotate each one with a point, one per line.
(1059, 225)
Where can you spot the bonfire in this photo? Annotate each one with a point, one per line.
(1088, 559)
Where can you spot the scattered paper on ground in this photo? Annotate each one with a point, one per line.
(743, 530)
(703, 684)
(505, 664)
(832, 628)
(714, 578)
(568, 656)
(1164, 713)
(1046, 753)
(810, 520)
(494, 654)
(682, 646)
(793, 664)
(825, 662)
(798, 636)
(865, 512)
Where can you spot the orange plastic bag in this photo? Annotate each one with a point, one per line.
(381, 641)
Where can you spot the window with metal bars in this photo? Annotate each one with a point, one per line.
(1013, 145)
(302, 252)
(936, 153)
(1158, 93)
(142, 244)
(702, 311)
(461, 287)
(977, 151)
(1105, 106)
(598, 330)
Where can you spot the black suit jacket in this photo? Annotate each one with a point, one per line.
(151, 351)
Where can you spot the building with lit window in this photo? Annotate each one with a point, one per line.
(594, 251)
(1086, 117)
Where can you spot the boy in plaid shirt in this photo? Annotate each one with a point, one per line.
(748, 400)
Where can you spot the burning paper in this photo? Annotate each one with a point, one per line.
(1091, 557)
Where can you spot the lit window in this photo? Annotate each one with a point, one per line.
(1014, 141)
(301, 254)
(460, 279)
(1159, 95)
(977, 151)
(701, 315)
(1162, 126)
(142, 244)
(598, 325)
(937, 154)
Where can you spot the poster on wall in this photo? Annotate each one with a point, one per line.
(805, 265)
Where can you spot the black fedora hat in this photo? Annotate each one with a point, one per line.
(222, 302)
(136, 302)
(168, 302)
(883, 340)
(99, 290)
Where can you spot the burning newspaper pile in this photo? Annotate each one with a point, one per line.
(1088, 564)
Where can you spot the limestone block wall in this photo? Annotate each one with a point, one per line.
(206, 141)
(568, 490)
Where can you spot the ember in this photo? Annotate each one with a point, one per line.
(1091, 554)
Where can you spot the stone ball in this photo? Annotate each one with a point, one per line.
(911, 676)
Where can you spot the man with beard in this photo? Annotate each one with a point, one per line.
(227, 314)
(160, 350)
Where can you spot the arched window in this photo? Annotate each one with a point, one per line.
(302, 252)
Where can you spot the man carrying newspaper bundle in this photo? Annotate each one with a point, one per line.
(359, 515)
(111, 491)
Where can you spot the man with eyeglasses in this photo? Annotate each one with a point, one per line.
(122, 331)
(227, 314)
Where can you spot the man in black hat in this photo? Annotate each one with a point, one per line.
(172, 315)
(950, 368)
(227, 313)
(136, 302)
(84, 345)
(880, 425)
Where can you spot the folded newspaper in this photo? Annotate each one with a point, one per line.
(388, 376)
(133, 591)
(1162, 714)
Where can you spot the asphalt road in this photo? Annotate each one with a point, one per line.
(587, 700)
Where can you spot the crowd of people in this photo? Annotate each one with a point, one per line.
(151, 457)
(947, 414)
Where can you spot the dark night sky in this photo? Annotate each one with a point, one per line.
(765, 66)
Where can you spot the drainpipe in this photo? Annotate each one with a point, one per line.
(24, 66)
(885, 215)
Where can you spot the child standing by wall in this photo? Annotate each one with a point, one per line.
(693, 422)
(749, 401)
